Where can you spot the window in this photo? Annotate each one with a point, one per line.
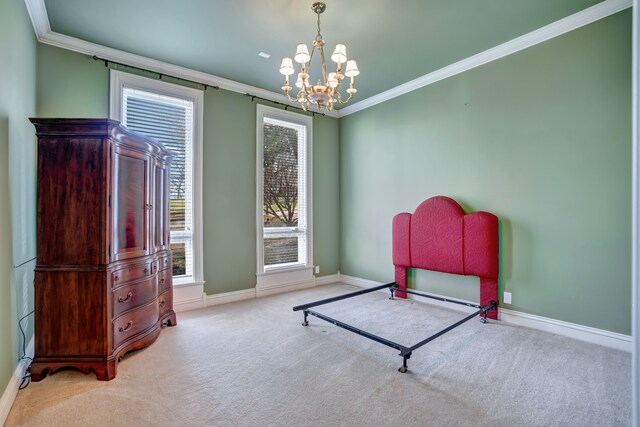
(172, 115)
(283, 190)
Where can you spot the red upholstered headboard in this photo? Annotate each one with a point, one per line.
(440, 237)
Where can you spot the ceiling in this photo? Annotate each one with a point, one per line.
(393, 41)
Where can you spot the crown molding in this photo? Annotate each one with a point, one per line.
(555, 29)
(39, 19)
(88, 48)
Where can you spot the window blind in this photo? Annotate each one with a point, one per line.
(170, 121)
(284, 193)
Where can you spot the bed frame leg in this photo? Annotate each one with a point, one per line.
(392, 290)
(490, 307)
(405, 357)
(305, 322)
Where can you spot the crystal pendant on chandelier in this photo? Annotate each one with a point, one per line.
(325, 93)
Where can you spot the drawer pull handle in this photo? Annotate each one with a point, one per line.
(126, 328)
(162, 304)
(162, 281)
(146, 270)
(116, 277)
(127, 299)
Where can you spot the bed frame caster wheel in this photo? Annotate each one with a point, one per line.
(305, 322)
(483, 320)
(403, 368)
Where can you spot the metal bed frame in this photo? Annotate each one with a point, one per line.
(405, 351)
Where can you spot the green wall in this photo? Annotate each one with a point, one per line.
(74, 85)
(70, 84)
(17, 180)
(230, 192)
(542, 138)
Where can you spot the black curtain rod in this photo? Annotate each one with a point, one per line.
(160, 75)
(286, 106)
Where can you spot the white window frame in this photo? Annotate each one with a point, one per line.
(118, 81)
(273, 276)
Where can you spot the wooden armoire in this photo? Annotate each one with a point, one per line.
(103, 277)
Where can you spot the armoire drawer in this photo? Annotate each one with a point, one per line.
(164, 262)
(127, 274)
(134, 322)
(133, 295)
(165, 302)
(164, 280)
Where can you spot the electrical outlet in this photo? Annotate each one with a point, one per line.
(507, 298)
(317, 269)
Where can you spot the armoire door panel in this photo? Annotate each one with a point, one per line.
(131, 207)
(161, 204)
(67, 168)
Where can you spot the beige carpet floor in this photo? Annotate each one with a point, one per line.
(251, 363)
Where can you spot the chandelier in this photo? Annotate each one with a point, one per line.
(326, 92)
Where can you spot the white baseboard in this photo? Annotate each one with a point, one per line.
(361, 283)
(11, 391)
(327, 280)
(227, 297)
(264, 291)
(559, 327)
(571, 330)
(188, 305)
(245, 294)
(188, 297)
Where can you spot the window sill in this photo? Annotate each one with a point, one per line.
(280, 270)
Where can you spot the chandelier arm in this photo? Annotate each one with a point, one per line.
(324, 65)
(291, 99)
(302, 94)
(308, 69)
(313, 49)
(340, 97)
